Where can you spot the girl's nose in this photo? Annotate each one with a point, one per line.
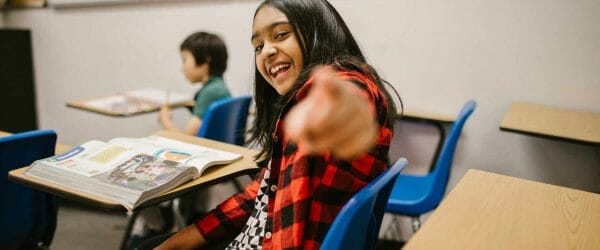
(269, 50)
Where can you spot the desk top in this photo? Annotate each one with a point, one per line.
(492, 211)
(212, 175)
(83, 105)
(133, 102)
(557, 123)
(418, 115)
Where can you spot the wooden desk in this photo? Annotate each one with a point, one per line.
(551, 122)
(492, 211)
(81, 104)
(61, 148)
(133, 102)
(212, 175)
(427, 116)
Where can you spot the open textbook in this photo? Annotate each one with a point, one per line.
(129, 171)
(133, 102)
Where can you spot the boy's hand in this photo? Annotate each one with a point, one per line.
(165, 115)
(334, 117)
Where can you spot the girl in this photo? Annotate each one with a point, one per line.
(324, 124)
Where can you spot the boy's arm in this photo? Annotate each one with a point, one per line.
(164, 118)
(191, 128)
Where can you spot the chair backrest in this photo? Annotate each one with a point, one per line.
(225, 120)
(357, 225)
(441, 171)
(27, 216)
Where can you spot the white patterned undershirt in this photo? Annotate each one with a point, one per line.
(253, 232)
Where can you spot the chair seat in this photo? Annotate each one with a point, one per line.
(410, 195)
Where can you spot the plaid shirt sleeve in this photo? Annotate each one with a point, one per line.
(228, 218)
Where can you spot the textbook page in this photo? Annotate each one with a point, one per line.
(90, 158)
(185, 153)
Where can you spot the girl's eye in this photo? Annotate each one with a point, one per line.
(281, 35)
(258, 48)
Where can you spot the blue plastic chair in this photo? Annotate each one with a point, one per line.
(27, 216)
(415, 195)
(357, 225)
(225, 120)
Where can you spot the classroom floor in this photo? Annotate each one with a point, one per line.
(85, 227)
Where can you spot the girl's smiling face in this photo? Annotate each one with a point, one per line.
(277, 51)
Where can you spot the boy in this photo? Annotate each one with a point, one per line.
(204, 60)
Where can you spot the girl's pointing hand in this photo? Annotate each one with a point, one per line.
(335, 116)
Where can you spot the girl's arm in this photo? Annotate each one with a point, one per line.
(188, 238)
(232, 215)
(335, 116)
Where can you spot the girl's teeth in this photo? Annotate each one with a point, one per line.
(276, 68)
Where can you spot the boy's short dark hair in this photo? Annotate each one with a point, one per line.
(207, 47)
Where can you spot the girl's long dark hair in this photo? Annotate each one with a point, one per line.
(324, 40)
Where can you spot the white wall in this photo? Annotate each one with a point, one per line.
(437, 53)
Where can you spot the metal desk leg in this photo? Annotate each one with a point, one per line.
(442, 137)
(439, 146)
(128, 229)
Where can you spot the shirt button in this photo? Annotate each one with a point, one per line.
(268, 235)
(273, 188)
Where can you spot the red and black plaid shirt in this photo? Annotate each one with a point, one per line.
(307, 191)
